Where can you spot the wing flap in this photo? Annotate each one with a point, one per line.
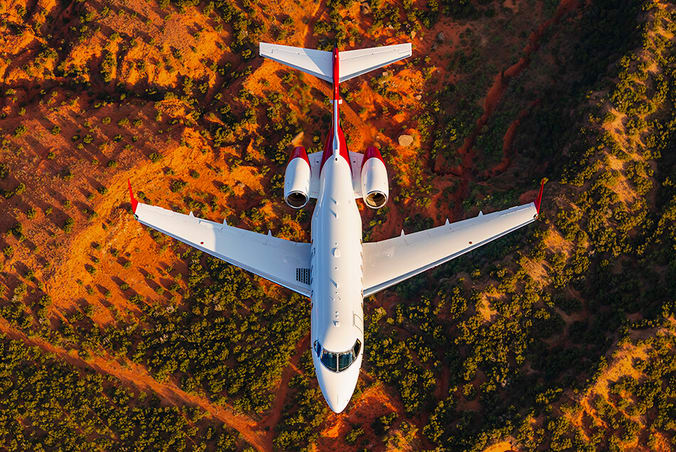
(270, 257)
(391, 261)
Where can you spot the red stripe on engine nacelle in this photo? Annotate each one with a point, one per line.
(372, 152)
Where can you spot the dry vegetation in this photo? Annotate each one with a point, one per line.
(557, 337)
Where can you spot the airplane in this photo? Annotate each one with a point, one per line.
(336, 270)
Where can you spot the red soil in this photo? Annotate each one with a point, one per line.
(507, 140)
(493, 97)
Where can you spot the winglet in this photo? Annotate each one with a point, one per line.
(134, 202)
(538, 200)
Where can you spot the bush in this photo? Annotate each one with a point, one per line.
(354, 435)
(20, 130)
(177, 185)
(68, 225)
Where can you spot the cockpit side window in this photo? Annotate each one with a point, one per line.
(318, 349)
(356, 348)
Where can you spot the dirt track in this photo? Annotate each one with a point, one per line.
(137, 376)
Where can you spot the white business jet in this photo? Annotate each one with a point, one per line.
(336, 270)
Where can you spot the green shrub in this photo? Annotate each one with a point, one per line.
(68, 225)
(20, 130)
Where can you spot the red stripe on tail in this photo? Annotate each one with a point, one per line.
(134, 202)
(538, 200)
(336, 74)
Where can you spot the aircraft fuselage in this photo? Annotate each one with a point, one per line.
(337, 333)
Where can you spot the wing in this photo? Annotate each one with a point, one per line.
(391, 261)
(354, 63)
(280, 261)
(314, 62)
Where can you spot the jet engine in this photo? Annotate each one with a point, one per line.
(374, 186)
(297, 179)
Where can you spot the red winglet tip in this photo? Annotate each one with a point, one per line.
(538, 200)
(134, 202)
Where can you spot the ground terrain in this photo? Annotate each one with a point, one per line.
(557, 337)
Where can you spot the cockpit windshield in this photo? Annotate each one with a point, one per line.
(337, 362)
(344, 360)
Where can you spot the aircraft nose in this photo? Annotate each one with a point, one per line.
(337, 388)
(337, 401)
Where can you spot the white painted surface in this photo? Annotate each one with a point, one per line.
(354, 63)
(297, 179)
(374, 179)
(391, 261)
(248, 250)
(319, 63)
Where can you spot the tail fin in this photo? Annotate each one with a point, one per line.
(320, 63)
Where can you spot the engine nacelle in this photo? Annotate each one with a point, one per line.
(297, 179)
(374, 186)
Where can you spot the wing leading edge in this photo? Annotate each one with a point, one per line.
(281, 261)
(391, 261)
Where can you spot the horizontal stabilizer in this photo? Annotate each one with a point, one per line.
(314, 62)
(319, 63)
(354, 63)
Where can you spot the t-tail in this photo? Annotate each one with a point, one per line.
(320, 63)
(335, 67)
